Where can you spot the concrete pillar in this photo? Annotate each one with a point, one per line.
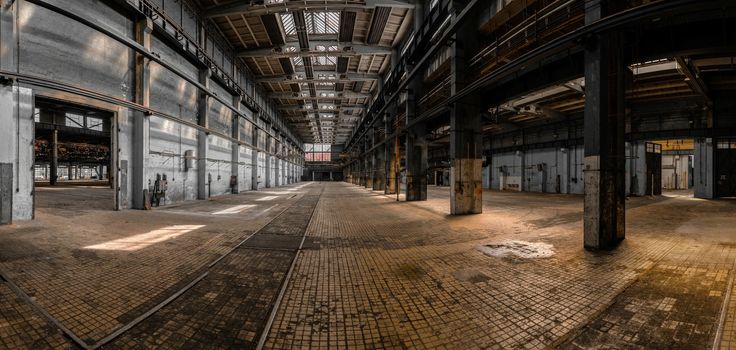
(360, 165)
(254, 161)
(54, 157)
(379, 172)
(277, 162)
(466, 138)
(269, 149)
(466, 153)
(141, 139)
(8, 118)
(416, 145)
(416, 164)
(604, 122)
(16, 133)
(203, 177)
(392, 154)
(287, 164)
(235, 154)
(368, 162)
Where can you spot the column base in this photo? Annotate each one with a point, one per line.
(604, 212)
(466, 193)
(416, 188)
(378, 184)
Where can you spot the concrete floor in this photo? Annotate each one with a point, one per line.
(366, 271)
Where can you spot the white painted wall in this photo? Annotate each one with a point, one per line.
(675, 172)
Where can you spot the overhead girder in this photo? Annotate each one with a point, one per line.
(302, 109)
(693, 78)
(349, 77)
(338, 96)
(251, 9)
(343, 50)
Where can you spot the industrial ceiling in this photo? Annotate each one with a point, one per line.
(319, 60)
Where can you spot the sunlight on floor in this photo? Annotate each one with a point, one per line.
(146, 239)
(234, 210)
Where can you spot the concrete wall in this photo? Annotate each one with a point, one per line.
(168, 143)
(219, 165)
(40, 43)
(245, 169)
(261, 170)
(675, 172)
(16, 136)
(537, 170)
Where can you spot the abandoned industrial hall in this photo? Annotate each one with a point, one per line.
(368, 174)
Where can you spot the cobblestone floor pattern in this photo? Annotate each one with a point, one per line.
(376, 273)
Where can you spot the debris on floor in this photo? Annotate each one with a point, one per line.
(521, 249)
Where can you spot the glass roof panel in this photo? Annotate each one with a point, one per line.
(288, 22)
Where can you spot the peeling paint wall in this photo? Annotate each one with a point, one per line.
(49, 46)
(538, 170)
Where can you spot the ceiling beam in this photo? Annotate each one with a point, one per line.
(338, 95)
(693, 78)
(349, 77)
(300, 108)
(249, 8)
(344, 50)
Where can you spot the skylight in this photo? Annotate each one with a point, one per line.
(326, 84)
(297, 60)
(322, 22)
(288, 21)
(330, 48)
(326, 59)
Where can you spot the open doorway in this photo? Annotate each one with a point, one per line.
(675, 170)
(73, 160)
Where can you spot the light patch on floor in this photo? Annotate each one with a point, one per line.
(234, 210)
(267, 198)
(146, 239)
(521, 249)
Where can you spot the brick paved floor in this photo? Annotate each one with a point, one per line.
(405, 275)
(22, 328)
(374, 273)
(62, 262)
(229, 308)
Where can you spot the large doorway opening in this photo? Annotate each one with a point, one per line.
(73, 164)
(673, 167)
(653, 169)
